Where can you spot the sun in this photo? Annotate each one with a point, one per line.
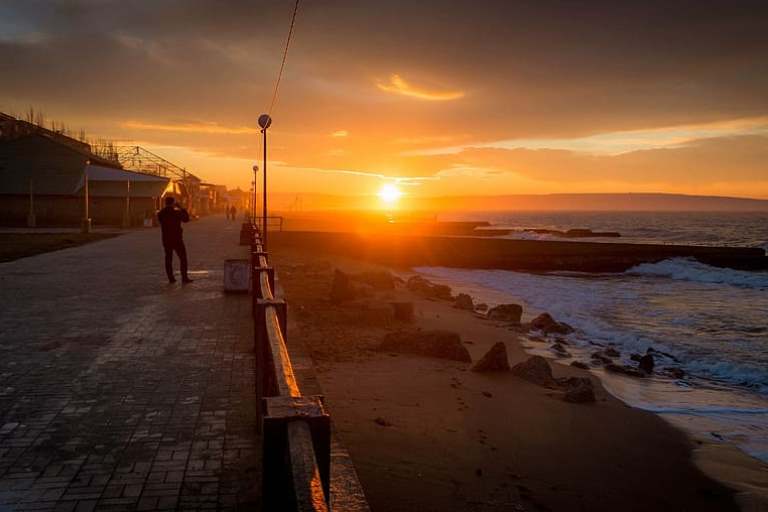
(389, 194)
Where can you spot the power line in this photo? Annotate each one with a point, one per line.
(285, 55)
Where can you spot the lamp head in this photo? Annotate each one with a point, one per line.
(265, 121)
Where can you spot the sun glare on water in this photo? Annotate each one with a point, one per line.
(389, 194)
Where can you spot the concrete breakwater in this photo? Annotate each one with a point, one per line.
(526, 255)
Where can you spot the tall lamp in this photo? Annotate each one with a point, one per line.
(264, 122)
(253, 206)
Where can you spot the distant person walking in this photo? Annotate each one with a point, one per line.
(170, 219)
(233, 212)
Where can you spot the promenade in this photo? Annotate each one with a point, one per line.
(119, 391)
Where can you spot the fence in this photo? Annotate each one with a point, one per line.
(295, 429)
(274, 222)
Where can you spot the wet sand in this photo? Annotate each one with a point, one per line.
(427, 434)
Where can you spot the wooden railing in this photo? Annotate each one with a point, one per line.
(295, 428)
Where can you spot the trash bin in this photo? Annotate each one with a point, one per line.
(237, 276)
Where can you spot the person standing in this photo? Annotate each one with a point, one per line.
(171, 218)
(233, 212)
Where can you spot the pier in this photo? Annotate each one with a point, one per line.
(525, 255)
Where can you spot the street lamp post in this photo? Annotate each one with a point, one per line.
(253, 206)
(264, 122)
(86, 225)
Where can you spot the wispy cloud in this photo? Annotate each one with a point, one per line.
(429, 139)
(212, 128)
(398, 85)
(340, 133)
(616, 143)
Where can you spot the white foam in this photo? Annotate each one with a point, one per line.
(529, 235)
(704, 410)
(685, 269)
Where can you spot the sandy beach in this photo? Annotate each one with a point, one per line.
(428, 434)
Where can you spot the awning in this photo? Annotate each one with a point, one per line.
(111, 182)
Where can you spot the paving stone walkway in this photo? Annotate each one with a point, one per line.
(121, 392)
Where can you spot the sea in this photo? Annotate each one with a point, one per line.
(711, 323)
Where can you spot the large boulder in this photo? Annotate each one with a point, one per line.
(535, 369)
(624, 370)
(646, 363)
(675, 373)
(600, 358)
(548, 325)
(495, 360)
(578, 390)
(506, 313)
(573, 382)
(542, 322)
(464, 301)
(341, 288)
(379, 280)
(437, 343)
(583, 393)
(425, 288)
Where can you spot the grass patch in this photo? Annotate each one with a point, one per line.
(21, 245)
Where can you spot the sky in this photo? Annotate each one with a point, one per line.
(439, 98)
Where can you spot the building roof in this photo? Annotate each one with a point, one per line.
(110, 182)
(52, 168)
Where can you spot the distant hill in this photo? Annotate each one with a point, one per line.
(609, 202)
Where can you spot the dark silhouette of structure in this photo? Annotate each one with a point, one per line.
(43, 175)
(171, 217)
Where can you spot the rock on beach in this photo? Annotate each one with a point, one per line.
(434, 343)
(425, 288)
(548, 325)
(506, 313)
(535, 369)
(495, 360)
(464, 301)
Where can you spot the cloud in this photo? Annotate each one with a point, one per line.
(615, 143)
(703, 161)
(340, 133)
(556, 100)
(398, 85)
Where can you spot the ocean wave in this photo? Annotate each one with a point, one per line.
(686, 269)
(703, 410)
(736, 373)
(527, 235)
(635, 315)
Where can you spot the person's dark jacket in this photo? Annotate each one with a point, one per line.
(170, 219)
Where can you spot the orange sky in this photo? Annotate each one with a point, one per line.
(459, 99)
